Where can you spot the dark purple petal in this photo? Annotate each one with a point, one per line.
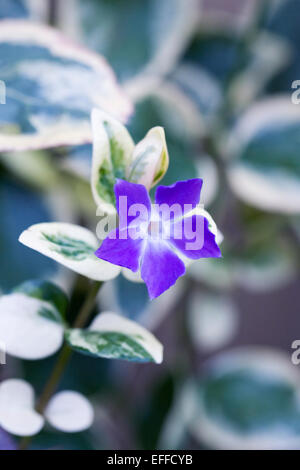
(135, 194)
(182, 193)
(121, 249)
(160, 267)
(195, 231)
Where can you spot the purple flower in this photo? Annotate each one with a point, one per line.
(156, 239)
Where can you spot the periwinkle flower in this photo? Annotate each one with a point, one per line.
(157, 239)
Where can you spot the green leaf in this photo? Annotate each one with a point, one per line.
(216, 52)
(49, 292)
(112, 153)
(265, 142)
(71, 245)
(32, 327)
(77, 250)
(248, 399)
(109, 345)
(150, 159)
(48, 102)
(207, 97)
(153, 35)
(116, 156)
(114, 337)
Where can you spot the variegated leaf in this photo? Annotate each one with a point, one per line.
(112, 153)
(51, 87)
(112, 336)
(247, 399)
(153, 35)
(32, 320)
(115, 156)
(17, 414)
(265, 142)
(71, 245)
(48, 292)
(150, 159)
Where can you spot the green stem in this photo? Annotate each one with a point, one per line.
(64, 356)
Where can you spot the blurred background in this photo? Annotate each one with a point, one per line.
(218, 76)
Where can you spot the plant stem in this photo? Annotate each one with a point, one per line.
(64, 356)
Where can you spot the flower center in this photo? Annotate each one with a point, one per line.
(155, 228)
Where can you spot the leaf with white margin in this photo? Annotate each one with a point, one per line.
(207, 96)
(48, 292)
(69, 411)
(269, 53)
(248, 400)
(51, 87)
(112, 153)
(154, 34)
(71, 245)
(212, 320)
(27, 328)
(116, 156)
(265, 142)
(112, 336)
(150, 159)
(17, 414)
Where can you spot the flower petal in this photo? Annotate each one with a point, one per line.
(193, 238)
(182, 193)
(121, 249)
(135, 194)
(161, 267)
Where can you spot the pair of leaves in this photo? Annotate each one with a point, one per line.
(116, 156)
(33, 326)
(66, 411)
